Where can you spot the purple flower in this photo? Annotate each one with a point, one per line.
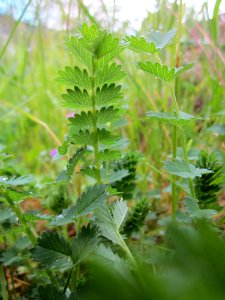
(70, 115)
(53, 152)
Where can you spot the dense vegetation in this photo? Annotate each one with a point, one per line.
(117, 189)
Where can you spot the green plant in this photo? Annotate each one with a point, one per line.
(136, 217)
(178, 119)
(209, 185)
(127, 184)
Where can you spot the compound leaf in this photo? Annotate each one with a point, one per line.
(76, 98)
(75, 77)
(52, 251)
(183, 169)
(78, 48)
(140, 44)
(109, 74)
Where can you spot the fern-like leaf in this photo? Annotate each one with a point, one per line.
(140, 44)
(75, 77)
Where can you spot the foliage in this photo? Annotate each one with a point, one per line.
(209, 185)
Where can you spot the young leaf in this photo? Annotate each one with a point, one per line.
(183, 169)
(78, 48)
(107, 49)
(140, 44)
(52, 251)
(74, 160)
(90, 33)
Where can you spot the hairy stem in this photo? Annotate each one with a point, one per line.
(28, 231)
(93, 97)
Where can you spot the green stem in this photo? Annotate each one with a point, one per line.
(29, 232)
(19, 215)
(93, 97)
(127, 251)
(3, 283)
(14, 29)
(183, 142)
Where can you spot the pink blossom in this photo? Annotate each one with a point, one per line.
(70, 115)
(53, 152)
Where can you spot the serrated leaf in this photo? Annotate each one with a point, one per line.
(75, 77)
(161, 39)
(163, 72)
(85, 244)
(108, 155)
(88, 201)
(105, 137)
(108, 94)
(74, 160)
(193, 209)
(119, 211)
(77, 99)
(183, 169)
(86, 120)
(184, 68)
(157, 70)
(83, 138)
(140, 44)
(82, 121)
(90, 171)
(87, 138)
(78, 48)
(91, 199)
(107, 115)
(89, 33)
(109, 221)
(52, 251)
(107, 49)
(109, 74)
(183, 119)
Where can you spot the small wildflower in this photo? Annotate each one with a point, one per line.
(53, 152)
